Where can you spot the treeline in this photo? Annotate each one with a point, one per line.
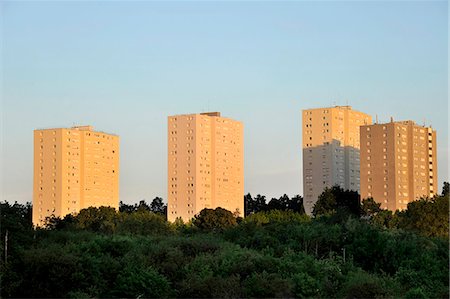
(346, 250)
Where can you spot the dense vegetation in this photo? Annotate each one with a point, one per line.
(347, 250)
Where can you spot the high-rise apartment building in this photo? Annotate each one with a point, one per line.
(205, 164)
(330, 150)
(74, 168)
(398, 163)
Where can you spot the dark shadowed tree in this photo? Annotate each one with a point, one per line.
(384, 219)
(254, 205)
(278, 203)
(296, 204)
(102, 219)
(326, 204)
(370, 207)
(125, 208)
(249, 204)
(157, 206)
(143, 206)
(260, 203)
(445, 189)
(216, 220)
(337, 200)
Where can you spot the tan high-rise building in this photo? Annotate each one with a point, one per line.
(205, 164)
(398, 163)
(74, 168)
(330, 150)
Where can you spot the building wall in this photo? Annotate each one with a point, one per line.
(398, 163)
(73, 169)
(205, 164)
(330, 142)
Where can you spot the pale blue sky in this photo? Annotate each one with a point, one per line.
(123, 66)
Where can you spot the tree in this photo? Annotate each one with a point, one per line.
(427, 216)
(158, 207)
(58, 223)
(296, 204)
(102, 219)
(249, 204)
(276, 204)
(446, 189)
(16, 229)
(370, 207)
(143, 223)
(137, 282)
(216, 220)
(260, 203)
(254, 205)
(337, 200)
(326, 204)
(384, 219)
(281, 204)
(143, 206)
(124, 208)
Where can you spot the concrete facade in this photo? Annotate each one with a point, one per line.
(74, 168)
(330, 142)
(205, 164)
(398, 163)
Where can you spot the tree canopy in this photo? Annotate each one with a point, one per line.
(214, 219)
(337, 200)
(279, 252)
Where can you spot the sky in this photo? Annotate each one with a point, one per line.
(124, 66)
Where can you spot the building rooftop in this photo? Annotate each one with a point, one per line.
(211, 113)
(83, 128)
(79, 128)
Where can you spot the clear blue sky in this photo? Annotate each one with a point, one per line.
(124, 66)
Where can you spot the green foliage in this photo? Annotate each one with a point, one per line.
(137, 282)
(143, 223)
(361, 284)
(284, 203)
(214, 220)
(337, 200)
(267, 285)
(106, 220)
(427, 216)
(136, 253)
(369, 207)
(326, 204)
(103, 219)
(384, 219)
(262, 218)
(416, 293)
(446, 189)
(156, 206)
(305, 286)
(16, 223)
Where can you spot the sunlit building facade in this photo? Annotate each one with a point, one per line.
(398, 163)
(74, 168)
(205, 164)
(330, 141)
